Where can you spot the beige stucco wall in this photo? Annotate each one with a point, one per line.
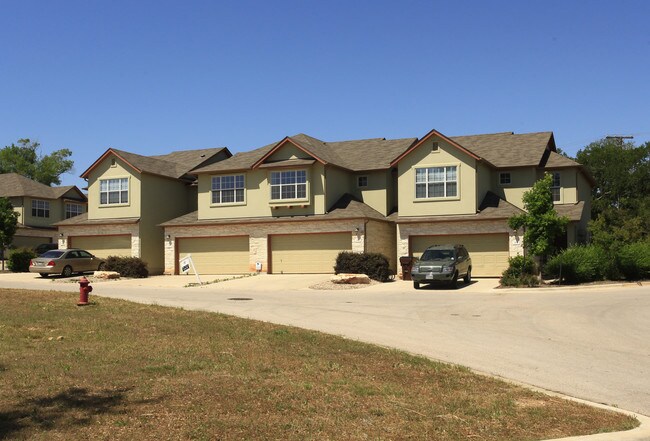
(258, 197)
(337, 183)
(258, 236)
(378, 192)
(521, 181)
(163, 199)
(104, 170)
(287, 151)
(484, 182)
(423, 156)
(17, 203)
(56, 213)
(380, 238)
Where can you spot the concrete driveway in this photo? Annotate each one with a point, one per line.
(589, 342)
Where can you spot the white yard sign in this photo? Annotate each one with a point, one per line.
(185, 264)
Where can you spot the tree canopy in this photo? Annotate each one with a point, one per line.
(8, 222)
(621, 198)
(541, 223)
(24, 158)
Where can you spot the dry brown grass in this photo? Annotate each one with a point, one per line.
(120, 370)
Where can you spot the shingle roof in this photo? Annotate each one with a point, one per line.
(14, 185)
(347, 207)
(174, 165)
(557, 160)
(572, 211)
(82, 219)
(507, 149)
(356, 155)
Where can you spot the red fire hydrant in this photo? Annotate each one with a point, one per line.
(84, 290)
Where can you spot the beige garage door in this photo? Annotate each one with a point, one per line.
(29, 242)
(216, 255)
(103, 246)
(307, 253)
(489, 252)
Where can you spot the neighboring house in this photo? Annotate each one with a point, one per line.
(40, 206)
(129, 195)
(293, 205)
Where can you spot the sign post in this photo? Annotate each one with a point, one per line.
(186, 263)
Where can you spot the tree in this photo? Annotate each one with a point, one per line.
(541, 223)
(621, 197)
(24, 159)
(8, 225)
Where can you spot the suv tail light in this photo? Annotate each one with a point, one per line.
(31, 262)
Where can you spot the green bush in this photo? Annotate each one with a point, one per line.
(634, 260)
(19, 260)
(127, 266)
(521, 271)
(580, 264)
(374, 265)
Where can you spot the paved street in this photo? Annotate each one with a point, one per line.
(591, 343)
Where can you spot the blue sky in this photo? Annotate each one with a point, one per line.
(155, 76)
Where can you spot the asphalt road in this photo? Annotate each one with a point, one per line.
(591, 343)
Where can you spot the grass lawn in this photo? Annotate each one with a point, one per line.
(121, 370)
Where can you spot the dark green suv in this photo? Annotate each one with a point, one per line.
(442, 263)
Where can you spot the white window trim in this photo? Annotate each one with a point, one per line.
(444, 198)
(501, 184)
(367, 181)
(118, 204)
(70, 204)
(559, 187)
(303, 201)
(228, 204)
(45, 208)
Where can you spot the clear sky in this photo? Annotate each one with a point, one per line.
(155, 76)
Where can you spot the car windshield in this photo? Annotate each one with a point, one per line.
(438, 255)
(53, 254)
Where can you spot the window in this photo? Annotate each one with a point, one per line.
(288, 185)
(555, 187)
(227, 189)
(436, 182)
(114, 191)
(40, 208)
(435, 147)
(72, 210)
(362, 181)
(504, 178)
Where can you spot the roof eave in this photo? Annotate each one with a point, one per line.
(108, 152)
(280, 144)
(434, 132)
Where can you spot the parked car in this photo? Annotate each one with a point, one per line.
(65, 262)
(45, 247)
(442, 263)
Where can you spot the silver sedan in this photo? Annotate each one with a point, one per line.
(65, 262)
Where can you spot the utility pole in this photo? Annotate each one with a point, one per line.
(619, 138)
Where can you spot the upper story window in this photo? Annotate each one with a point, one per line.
(114, 191)
(555, 187)
(72, 210)
(436, 182)
(227, 189)
(40, 208)
(362, 181)
(505, 178)
(290, 184)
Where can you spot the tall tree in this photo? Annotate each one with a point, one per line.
(621, 198)
(24, 158)
(541, 223)
(8, 225)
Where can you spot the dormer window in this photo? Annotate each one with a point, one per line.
(286, 185)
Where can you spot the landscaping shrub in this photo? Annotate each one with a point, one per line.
(634, 260)
(127, 266)
(521, 271)
(19, 260)
(580, 264)
(374, 265)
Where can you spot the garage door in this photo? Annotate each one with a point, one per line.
(29, 242)
(489, 252)
(217, 255)
(307, 253)
(103, 246)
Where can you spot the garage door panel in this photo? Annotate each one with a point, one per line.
(103, 246)
(217, 255)
(29, 241)
(307, 253)
(489, 252)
